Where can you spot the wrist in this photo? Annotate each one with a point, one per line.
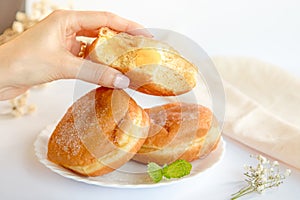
(9, 88)
(5, 65)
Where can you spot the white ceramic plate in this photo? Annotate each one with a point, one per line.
(124, 176)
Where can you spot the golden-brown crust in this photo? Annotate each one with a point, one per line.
(212, 139)
(153, 67)
(99, 133)
(177, 131)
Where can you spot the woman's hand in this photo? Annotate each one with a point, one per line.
(48, 51)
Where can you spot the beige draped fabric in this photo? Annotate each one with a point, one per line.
(262, 107)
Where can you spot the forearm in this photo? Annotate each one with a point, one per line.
(5, 66)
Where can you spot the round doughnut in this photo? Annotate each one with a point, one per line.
(99, 133)
(153, 67)
(178, 131)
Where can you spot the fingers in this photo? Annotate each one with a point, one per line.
(90, 20)
(86, 22)
(94, 73)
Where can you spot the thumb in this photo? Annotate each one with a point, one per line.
(92, 72)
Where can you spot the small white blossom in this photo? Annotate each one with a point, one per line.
(246, 167)
(262, 159)
(275, 163)
(287, 172)
(263, 178)
(260, 168)
(260, 188)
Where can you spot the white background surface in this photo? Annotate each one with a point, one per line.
(268, 30)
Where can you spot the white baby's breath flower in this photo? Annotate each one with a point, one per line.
(260, 168)
(262, 159)
(275, 163)
(260, 188)
(278, 176)
(246, 167)
(263, 178)
(265, 175)
(287, 172)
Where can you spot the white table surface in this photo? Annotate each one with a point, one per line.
(267, 30)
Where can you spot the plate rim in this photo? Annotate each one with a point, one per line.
(47, 131)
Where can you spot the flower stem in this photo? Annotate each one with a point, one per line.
(242, 192)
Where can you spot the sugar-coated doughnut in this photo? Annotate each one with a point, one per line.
(99, 133)
(179, 131)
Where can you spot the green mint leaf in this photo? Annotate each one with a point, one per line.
(155, 172)
(177, 169)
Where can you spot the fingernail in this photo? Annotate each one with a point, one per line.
(143, 32)
(121, 81)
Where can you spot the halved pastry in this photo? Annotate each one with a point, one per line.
(153, 67)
